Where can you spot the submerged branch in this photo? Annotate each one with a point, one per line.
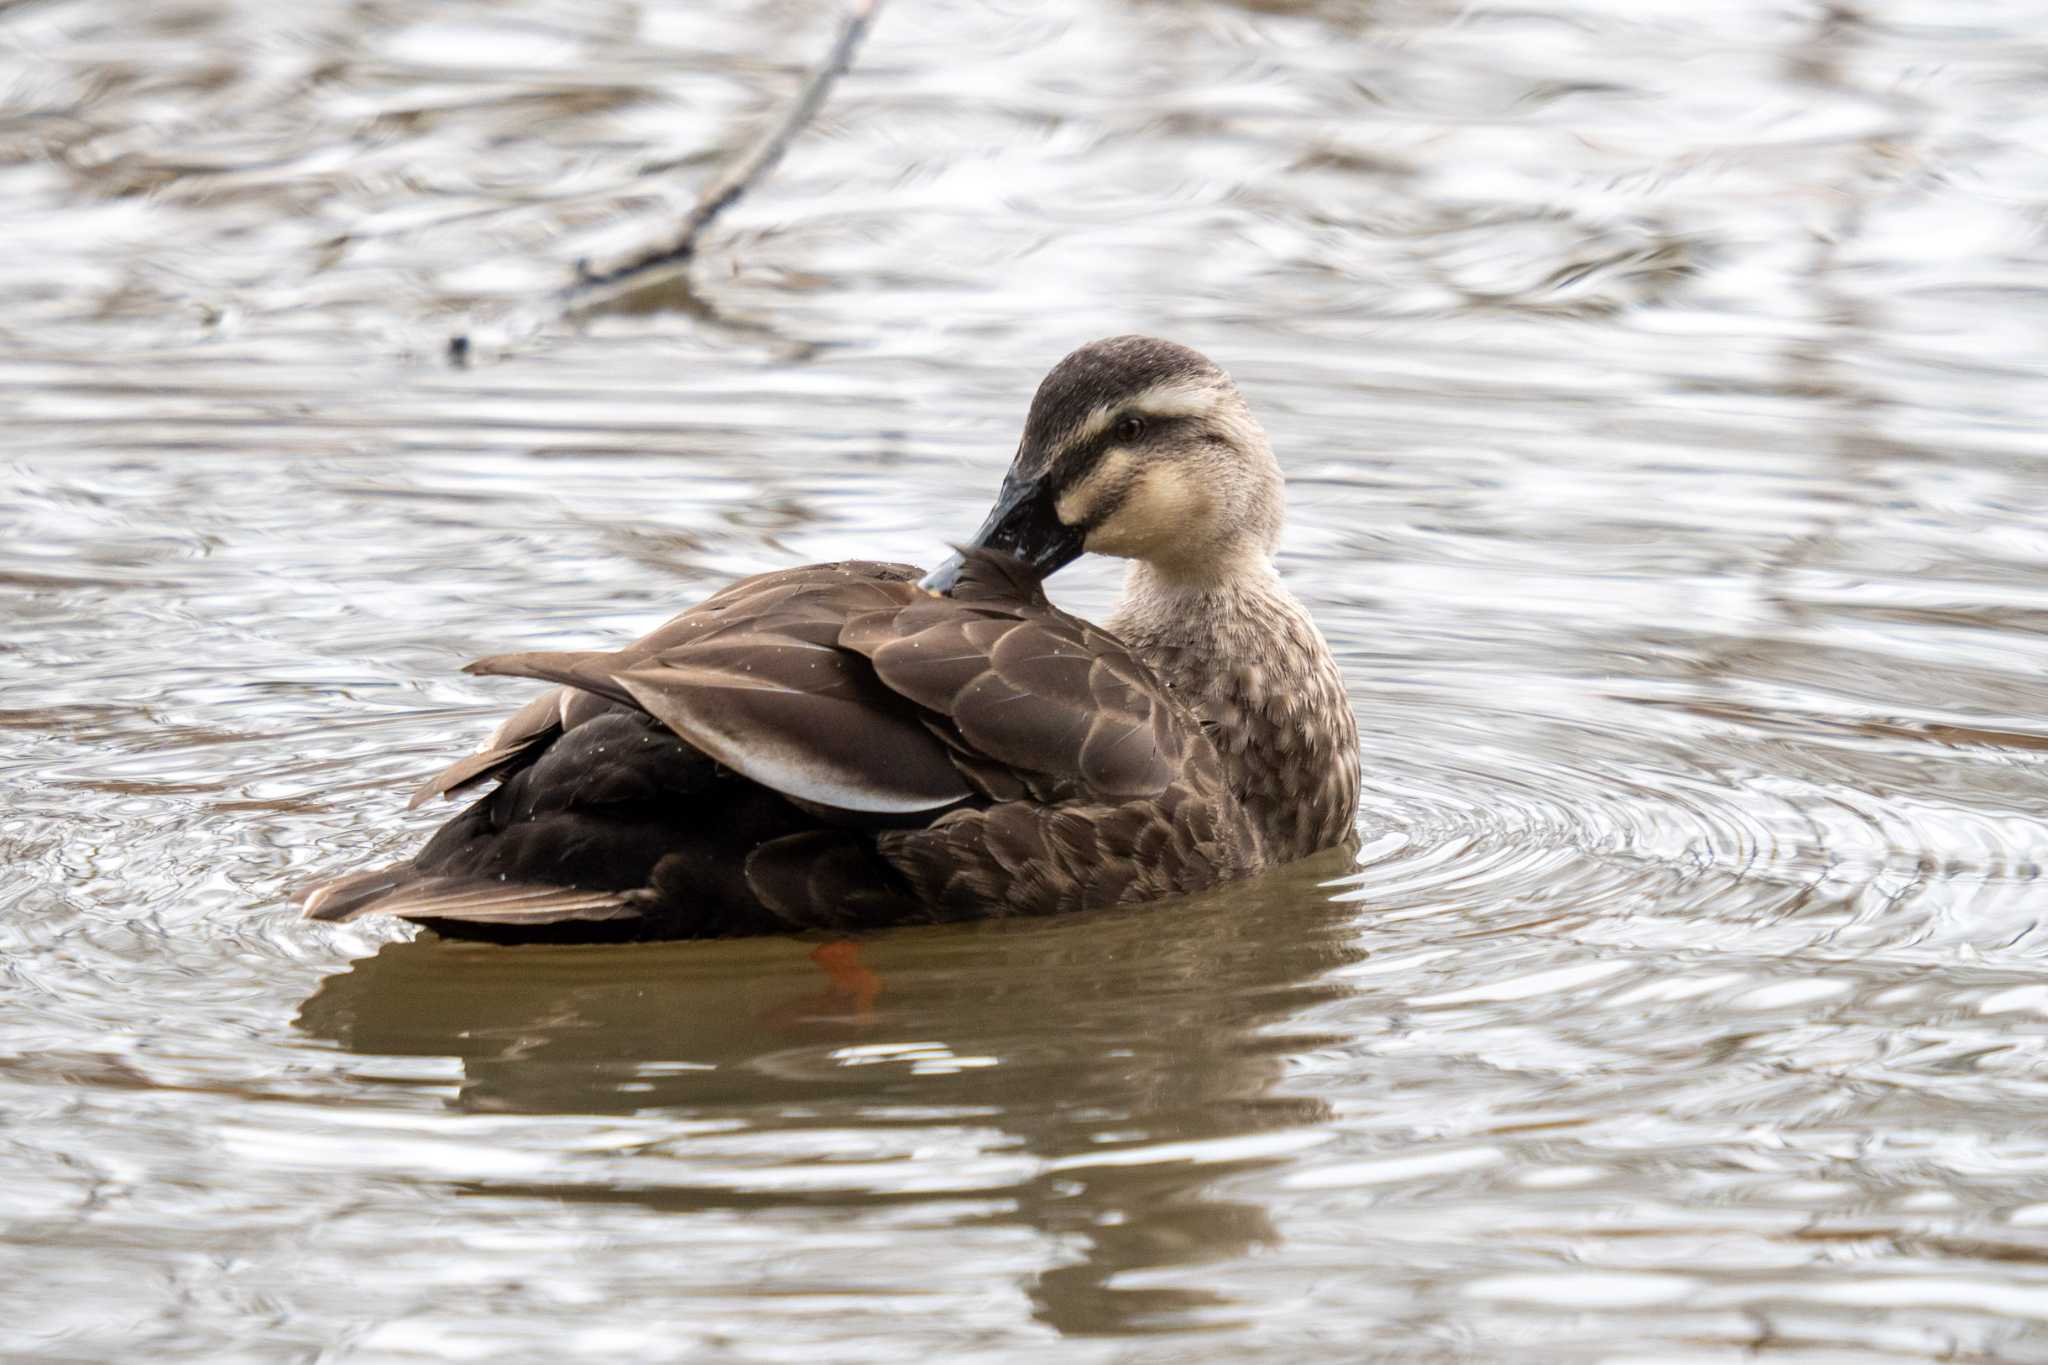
(593, 290)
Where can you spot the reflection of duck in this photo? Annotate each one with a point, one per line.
(837, 745)
(1077, 1088)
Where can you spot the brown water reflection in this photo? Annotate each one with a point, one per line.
(1110, 1078)
(1660, 390)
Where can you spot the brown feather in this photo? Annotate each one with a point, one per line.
(533, 724)
(826, 879)
(587, 670)
(396, 892)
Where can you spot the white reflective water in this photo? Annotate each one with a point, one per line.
(1661, 387)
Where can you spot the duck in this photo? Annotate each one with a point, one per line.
(843, 746)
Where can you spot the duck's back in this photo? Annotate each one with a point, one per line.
(824, 747)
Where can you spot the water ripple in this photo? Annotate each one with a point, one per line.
(1659, 389)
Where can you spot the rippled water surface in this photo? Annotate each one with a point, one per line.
(1661, 389)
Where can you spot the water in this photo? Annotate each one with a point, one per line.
(1660, 389)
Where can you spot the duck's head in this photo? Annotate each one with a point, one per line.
(1140, 448)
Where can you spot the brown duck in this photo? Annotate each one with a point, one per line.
(849, 745)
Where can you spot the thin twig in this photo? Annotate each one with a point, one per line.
(593, 290)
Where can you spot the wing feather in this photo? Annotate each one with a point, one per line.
(1028, 687)
(754, 677)
(848, 687)
(402, 891)
(822, 738)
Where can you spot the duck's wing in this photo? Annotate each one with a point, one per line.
(1127, 798)
(589, 680)
(755, 678)
(589, 797)
(1034, 700)
(846, 686)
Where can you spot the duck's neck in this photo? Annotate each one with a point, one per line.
(1245, 656)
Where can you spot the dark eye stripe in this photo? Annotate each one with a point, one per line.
(1070, 465)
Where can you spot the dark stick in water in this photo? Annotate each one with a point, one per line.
(592, 290)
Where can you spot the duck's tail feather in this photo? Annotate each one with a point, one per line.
(406, 893)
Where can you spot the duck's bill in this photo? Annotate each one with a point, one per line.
(1025, 525)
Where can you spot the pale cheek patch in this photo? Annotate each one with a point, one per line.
(1163, 512)
(1078, 504)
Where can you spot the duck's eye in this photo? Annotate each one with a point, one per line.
(1130, 429)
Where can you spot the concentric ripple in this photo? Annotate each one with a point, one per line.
(1660, 393)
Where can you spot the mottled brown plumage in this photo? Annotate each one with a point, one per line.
(837, 745)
